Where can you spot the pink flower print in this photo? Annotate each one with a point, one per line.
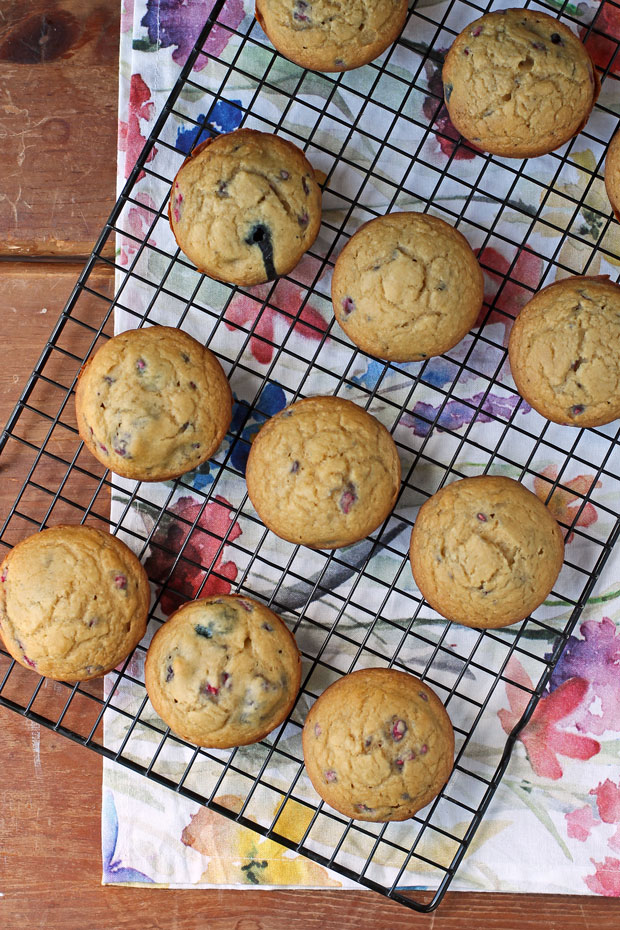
(580, 822)
(564, 505)
(130, 138)
(542, 737)
(270, 323)
(602, 44)
(527, 270)
(595, 658)
(213, 526)
(137, 222)
(607, 795)
(127, 16)
(606, 879)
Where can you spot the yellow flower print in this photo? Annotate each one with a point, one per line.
(237, 855)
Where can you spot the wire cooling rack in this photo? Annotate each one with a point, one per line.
(347, 609)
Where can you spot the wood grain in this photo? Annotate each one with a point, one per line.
(32, 298)
(58, 123)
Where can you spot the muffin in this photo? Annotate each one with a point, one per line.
(223, 671)
(612, 174)
(485, 551)
(564, 351)
(407, 286)
(327, 36)
(153, 404)
(245, 206)
(73, 602)
(378, 745)
(518, 83)
(323, 473)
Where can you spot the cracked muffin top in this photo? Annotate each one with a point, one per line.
(407, 286)
(73, 602)
(331, 35)
(153, 403)
(223, 671)
(485, 551)
(244, 207)
(323, 473)
(564, 351)
(378, 745)
(518, 83)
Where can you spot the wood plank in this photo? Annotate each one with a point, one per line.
(33, 296)
(58, 123)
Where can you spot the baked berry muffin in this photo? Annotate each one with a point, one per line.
(564, 351)
(245, 206)
(153, 403)
(612, 174)
(331, 35)
(223, 671)
(485, 551)
(323, 473)
(73, 602)
(407, 286)
(519, 83)
(378, 745)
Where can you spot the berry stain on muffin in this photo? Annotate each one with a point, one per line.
(260, 235)
(348, 498)
(398, 730)
(205, 631)
(301, 11)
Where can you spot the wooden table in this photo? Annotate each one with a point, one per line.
(58, 86)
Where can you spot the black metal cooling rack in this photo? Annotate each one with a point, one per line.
(62, 482)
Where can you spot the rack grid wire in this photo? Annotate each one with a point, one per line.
(318, 593)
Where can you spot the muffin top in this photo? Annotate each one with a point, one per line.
(245, 206)
(407, 286)
(485, 551)
(223, 671)
(323, 473)
(564, 351)
(518, 83)
(153, 403)
(332, 35)
(378, 745)
(73, 602)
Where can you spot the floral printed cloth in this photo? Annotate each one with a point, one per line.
(554, 823)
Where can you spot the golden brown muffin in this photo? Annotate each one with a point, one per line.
(485, 551)
(323, 473)
(612, 174)
(407, 286)
(73, 602)
(245, 206)
(519, 83)
(331, 35)
(223, 671)
(153, 404)
(564, 351)
(378, 745)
